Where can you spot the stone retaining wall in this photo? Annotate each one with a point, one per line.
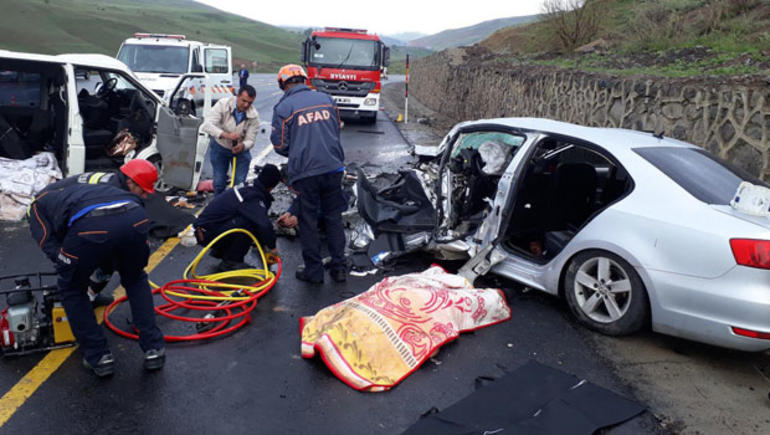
(730, 117)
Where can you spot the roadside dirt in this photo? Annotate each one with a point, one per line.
(425, 126)
(691, 388)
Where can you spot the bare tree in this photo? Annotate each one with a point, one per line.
(574, 22)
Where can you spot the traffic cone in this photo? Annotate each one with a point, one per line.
(400, 118)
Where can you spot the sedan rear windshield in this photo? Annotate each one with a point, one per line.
(703, 175)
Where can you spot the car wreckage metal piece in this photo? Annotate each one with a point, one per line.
(482, 262)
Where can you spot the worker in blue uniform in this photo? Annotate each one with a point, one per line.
(81, 226)
(133, 171)
(245, 207)
(306, 129)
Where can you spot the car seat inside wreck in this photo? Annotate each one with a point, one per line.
(563, 186)
(470, 178)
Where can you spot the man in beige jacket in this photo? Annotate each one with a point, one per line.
(232, 124)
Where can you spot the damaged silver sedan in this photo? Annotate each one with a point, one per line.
(630, 228)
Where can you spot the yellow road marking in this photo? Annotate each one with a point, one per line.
(23, 390)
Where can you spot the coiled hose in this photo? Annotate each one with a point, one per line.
(227, 306)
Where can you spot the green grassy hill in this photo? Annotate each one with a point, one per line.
(398, 57)
(468, 35)
(67, 26)
(676, 38)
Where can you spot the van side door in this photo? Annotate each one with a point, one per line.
(180, 142)
(217, 65)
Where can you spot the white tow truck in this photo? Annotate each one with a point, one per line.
(47, 104)
(159, 60)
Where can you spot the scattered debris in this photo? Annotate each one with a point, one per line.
(182, 203)
(21, 180)
(123, 143)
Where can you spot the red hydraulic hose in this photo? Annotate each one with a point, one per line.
(236, 313)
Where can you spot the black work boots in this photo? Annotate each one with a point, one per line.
(154, 359)
(104, 367)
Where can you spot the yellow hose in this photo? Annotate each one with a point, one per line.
(263, 275)
(232, 178)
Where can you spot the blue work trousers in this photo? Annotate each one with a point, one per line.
(233, 247)
(320, 197)
(221, 158)
(120, 239)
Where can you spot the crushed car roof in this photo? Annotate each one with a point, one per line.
(611, 138)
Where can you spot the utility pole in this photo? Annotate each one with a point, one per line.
(406, 92)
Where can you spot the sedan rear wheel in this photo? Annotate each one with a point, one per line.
(605, 293)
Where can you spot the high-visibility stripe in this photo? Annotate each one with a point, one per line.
(95, 177)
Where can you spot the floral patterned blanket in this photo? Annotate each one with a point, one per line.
(376, 339)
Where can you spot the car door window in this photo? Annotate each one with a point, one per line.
(122, 82)
(196, 61)
(216, 61)
(565, 184)
(19, 88)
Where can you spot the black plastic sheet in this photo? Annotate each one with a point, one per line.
(401, 207)
(534, 399)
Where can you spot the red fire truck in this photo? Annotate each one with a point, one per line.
(347, 64)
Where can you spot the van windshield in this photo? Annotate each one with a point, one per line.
(155, 58)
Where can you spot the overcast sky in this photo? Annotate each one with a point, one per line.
(379, 16)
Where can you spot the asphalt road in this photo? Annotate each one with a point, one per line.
(255, 381)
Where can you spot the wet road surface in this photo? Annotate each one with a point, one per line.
(254, 381)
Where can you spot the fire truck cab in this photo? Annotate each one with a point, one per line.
(347, 64)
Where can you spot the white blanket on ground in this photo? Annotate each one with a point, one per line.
(21, 180)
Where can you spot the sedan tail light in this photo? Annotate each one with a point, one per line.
(751, 334)
(751, 253)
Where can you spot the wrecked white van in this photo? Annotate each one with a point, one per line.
(74, 105)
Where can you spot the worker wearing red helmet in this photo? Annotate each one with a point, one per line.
(306, 129)
(138, 176)
(82, 227)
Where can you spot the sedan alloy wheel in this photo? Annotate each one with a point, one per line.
(605, 293)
